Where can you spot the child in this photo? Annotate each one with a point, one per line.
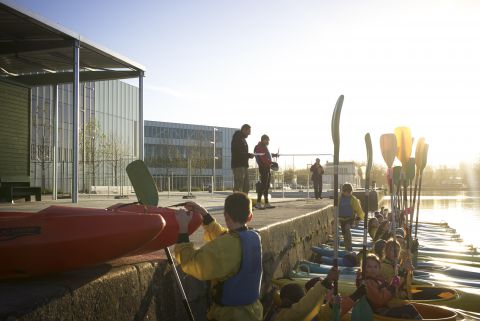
(348, 208)
(396, 263)
(296, 305)
(231, 259)
(383, 231)
(373, 226)
(381, 295)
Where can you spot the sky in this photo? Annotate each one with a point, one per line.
(280, 66)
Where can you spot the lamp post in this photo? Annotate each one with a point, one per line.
(214, 158)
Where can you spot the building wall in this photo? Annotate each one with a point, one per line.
(14, 130)
(108, 139)
(172, 148)
(347, 172)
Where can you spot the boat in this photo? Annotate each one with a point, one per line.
(169, 236)
(429, 299)
(58, 240)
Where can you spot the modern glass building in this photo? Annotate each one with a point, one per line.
(181, 156)
(108, 135)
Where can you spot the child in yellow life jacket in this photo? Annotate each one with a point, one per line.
(298, 306)
(349, 209)
(231, 259)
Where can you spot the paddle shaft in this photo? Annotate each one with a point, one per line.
(180, 286)
(418, 203)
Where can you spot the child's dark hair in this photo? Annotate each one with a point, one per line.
(291, 293)
(238, 206)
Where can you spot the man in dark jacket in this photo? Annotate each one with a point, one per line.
(317, 172)
(240, 156)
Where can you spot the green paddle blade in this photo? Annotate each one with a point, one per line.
(143, 183)
(397, 171)
(411, 169)
(404, 144)
(336, 127)
(388, 146)
(368, 144)
(362, 311)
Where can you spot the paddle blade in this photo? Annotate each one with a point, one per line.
(404, 144)
(143, 183)
(362, 311)
(397, 171)
(368, 144)
(336, 127)
(419, 150)
(424, 158)
(410, 169)
(388, 146)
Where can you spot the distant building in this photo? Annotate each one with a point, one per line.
(347, 173)
(175, 152)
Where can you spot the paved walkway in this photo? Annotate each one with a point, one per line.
(286, 208)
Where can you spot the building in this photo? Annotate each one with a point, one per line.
(348, 172)
(184, 156)
(108, 136)
(40, 61)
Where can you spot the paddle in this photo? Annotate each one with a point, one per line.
(422, 167)
(419, 150)
(388, 146)
(362, 310)
(147, 194)
(336, 150)
(410, 176)
(404, 150)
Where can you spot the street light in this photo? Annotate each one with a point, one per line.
(214, 158)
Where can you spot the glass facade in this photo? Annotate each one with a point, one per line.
(108, 137)
(180, 154)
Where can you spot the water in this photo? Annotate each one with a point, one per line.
(461, 210)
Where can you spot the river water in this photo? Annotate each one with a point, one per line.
(461, 211)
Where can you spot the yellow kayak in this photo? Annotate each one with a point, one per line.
(425, 293)
(427, 311)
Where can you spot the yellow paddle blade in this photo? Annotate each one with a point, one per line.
(388, 146)
(419, 150)
(404, 144)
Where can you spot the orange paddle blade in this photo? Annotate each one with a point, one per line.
(388, 146)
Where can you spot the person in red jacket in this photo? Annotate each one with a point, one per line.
(264, 161)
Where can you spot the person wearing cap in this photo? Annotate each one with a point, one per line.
(317, 172)
(264, 161)
(240, 157)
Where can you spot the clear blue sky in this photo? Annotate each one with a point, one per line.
(280, 66)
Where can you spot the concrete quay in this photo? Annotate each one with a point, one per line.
(143, 287)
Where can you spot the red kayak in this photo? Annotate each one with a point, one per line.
(67, 238)
(169, 235)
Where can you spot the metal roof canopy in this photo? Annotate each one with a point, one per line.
(35, 52)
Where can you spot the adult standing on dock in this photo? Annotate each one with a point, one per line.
(264, 161)
(317, 172)
(240, 156)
